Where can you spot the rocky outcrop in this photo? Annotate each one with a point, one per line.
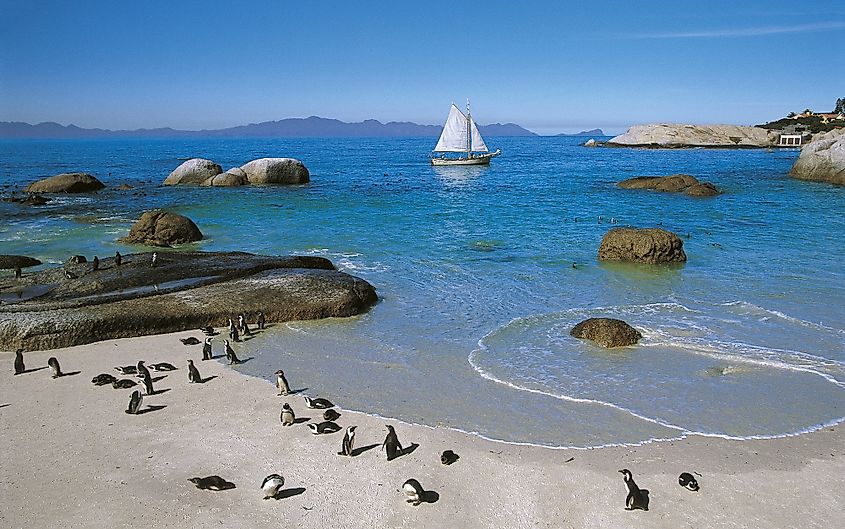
(231, 178)
(607, 332)
(14, 261)
(194, 171)
(29, 200)
(66, 183)
(649, 245)
(591, 143)
(823, 159)
(678, 135)
(185, 291)
(76, 259)
(675, 183)
(276, 171)
(162, 228)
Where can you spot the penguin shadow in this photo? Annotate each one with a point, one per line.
(361, 450)
(300, 420)
(69, 374)
(32, 370)
(289, 493)
(206, 379)
(158, 391)
(156, 379)
(407, 450)
(244, 360)
(4, 405)
(295, 392)
(429, 496)
(150, 408)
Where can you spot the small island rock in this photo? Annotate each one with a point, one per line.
(66, 183)
(162, 228)
(607, 332)
(823, 159)
(675, 183)
(276, 171)
(14, 261)
(648, 245)
(670, 135)
(194, 171)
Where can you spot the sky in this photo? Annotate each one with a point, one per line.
(550, 66)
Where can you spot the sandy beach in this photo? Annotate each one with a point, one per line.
(73, 458)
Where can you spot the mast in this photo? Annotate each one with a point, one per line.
(469, 133)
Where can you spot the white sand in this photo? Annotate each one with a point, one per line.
(71, 457)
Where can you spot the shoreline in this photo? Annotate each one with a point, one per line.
(102, 462)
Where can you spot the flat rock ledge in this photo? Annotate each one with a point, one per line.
(823, 159)
(14, 261)
(607, 332)
(185, 291)
(676, 183)
(646, 245)
(673, 136)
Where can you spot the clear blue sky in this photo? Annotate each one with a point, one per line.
(551, 66)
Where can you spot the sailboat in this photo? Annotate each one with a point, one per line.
(460, 134)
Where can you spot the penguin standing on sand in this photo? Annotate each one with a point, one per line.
(233, 331)
(95, 264)
(18, 272)
(260, 322)
(54, 367)
(271, 485)
(391, 444)
(118, 259)
(244, 325)
(19, 367)
(241, 320)
(282, 383)
(144, 373)
(635, 499)
(230, 353)
(193, 373)
(348, 441)
(135, 402)
(154, 261)
(206, 349)
(287, 417)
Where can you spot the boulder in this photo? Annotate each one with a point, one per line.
(666, 135)
(194, 171)
(276, 171)
(685, 183)
(125, 187)
(823, 159)
(607, 332)
(14, 261)
(705, 189)
(590, 143)
(233, 177)
(649, 245)
(66, 183)
(162, 228)
(76, 259)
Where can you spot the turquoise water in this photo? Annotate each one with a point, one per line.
(473, 267)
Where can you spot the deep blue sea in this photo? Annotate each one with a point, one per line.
(477, 290)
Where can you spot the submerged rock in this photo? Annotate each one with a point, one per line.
(194, 171)
(666, 135)
(675, 183)
(162, 228)
(648, 245)
(14, 261)
(276, 171)
(607, 332)
(823, 159)
(66, 183)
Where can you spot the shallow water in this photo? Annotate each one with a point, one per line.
(473, 267)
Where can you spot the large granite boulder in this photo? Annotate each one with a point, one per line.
(823, 159)
(66, 183)
(14, 261)
(607, 332)
(648, 245)
(194, 171)
(276, 171)
(665, 135)
(162, 228)
(675, 183)
(231, 178)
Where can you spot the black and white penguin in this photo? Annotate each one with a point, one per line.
(287, 416)
(53, 362)
(233, 332)
(319, 404)
(141, 369)
(282, 383)
(144, 373)
(118, 259)
(18, 272)
(163, 366)
(635, 499)
(230, 353)
(391, 444)
(331, 415)
(271, 485)
(244, 326)
(189, 341)
(348, 441)
(193, 373)
(687, 481)
(324, 427)
(261, 320)
(135, 402)
(212, 483)
(208, 330)
(413, 491)
(127, 370)
(19, 366)
(95, 264)
(123, 383)
(102, 379)
(206, 349)
(154, 261)
(448, 457)
(69, 275)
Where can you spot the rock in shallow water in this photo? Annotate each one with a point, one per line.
(276, 171)
(194, 171)
(823, 159)
(14, 261)
(162, 228)
(675, 183)
(607, 332)
(66, 183)
(648, 245)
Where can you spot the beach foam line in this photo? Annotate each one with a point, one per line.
(791, 319)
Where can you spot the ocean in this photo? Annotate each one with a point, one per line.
(477, 292)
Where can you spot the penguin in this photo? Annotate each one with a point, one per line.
(348, 441)
(245, 326)
(144, 373)
(287, 417)
(206, 349)
(19, 366)
(118, 259)
(189, 341)
(154, 260)
(68, 275)
(163, 366)
(233, 333)
(123, 383)
(54, 367)
(212, 483)
(413, 492)
(687, 481)
(127, 370)
(18, 272)
(282, 383)
(95, 264)
(324, 427)
(271, 485)
(331, 415)
(142, 370)
(135, 402)
(448, 457)
(230, 353)
(193, 373)
(241, 322)
(635, 498)
(231, 325)
(261, 320)
(102, 379)
(208, 330)
(391, 444)
(320, 404)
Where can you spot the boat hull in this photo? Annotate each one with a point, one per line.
(483, 159)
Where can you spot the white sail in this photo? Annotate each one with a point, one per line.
(454, 135)
(478, 144)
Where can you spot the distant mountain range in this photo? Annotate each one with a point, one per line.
(592, 132)
(286, 128)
